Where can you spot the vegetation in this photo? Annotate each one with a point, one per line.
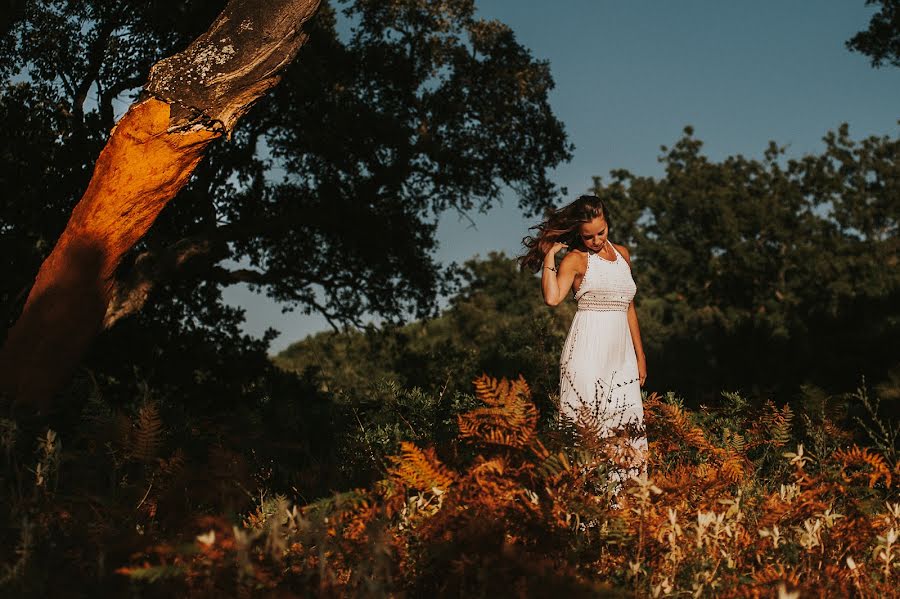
(325, 197)
(752, 274)
(881, 41)
(759, 274)
(128, 483)
(741, 500)
(381, 128)
(182, 459)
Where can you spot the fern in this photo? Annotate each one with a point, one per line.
(781, 426)
(151, 574)
(773, 426)
(96, 413)
(122, 430)
(420, 468)
(510, 417)
(732, 468)
(862, 463)
(735, 441)
(715, 525)
(147, 433)
(674, 418)
(554, 466)
(589, 430)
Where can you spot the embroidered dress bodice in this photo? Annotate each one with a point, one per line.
(606, 284)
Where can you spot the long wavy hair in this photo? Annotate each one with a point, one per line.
(561, 225)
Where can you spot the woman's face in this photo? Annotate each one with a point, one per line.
(593, 233)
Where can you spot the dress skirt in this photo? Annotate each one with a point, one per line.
(599, 374)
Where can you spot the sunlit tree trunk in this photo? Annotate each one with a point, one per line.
(189, 100)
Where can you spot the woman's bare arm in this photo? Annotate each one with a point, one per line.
(555, 285)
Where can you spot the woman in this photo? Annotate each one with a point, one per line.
(602, 366)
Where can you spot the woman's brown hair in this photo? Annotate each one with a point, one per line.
(561, 225)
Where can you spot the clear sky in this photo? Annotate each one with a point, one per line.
(631, 74)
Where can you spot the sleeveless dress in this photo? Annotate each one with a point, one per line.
(598, 367)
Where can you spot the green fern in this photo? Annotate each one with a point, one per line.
(775, 424)
(554, 466)
(151, 574)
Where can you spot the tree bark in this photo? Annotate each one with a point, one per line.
(189, 100)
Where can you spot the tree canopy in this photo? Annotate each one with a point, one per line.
(881, 41)
(762, 275)
(766, 272)
(327, 195)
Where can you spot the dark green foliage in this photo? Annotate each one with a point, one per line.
(392, 414)
(765, 274)
(496, 323)
(325, 197)
(881, 41)
(756, 275)
(331, 182)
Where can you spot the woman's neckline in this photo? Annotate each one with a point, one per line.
(615, 253)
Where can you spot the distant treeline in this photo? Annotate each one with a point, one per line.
(760, 275)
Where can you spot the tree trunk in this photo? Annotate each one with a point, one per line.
(189, 100)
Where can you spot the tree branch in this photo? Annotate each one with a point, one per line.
(241, 275)
(95, 61)
(129, 293)
(225, 70)
(244, 275)
(107, 113)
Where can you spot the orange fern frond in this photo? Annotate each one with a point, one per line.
(494, 392)
(732, 468)
(420, 468)
(771, 574)
(509, 419)
(678, 423)
(860, 463)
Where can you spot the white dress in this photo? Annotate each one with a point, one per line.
(598, 367)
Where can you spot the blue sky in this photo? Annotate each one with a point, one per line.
(631, 75)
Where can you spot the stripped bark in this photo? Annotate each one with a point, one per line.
(189, 100)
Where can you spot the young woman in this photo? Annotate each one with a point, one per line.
(602, 366)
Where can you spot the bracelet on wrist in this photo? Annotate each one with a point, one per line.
(553, 268)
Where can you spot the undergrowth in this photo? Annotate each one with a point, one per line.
(744, 499)
(731, 507)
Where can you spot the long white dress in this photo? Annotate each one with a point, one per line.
(598, 367)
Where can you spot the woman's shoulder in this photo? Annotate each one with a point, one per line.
(575, 258)
(622, 250)
(621, 247)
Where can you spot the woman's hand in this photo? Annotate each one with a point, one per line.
(555, 248)
(642, 369)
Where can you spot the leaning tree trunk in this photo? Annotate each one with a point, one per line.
(189, 100)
